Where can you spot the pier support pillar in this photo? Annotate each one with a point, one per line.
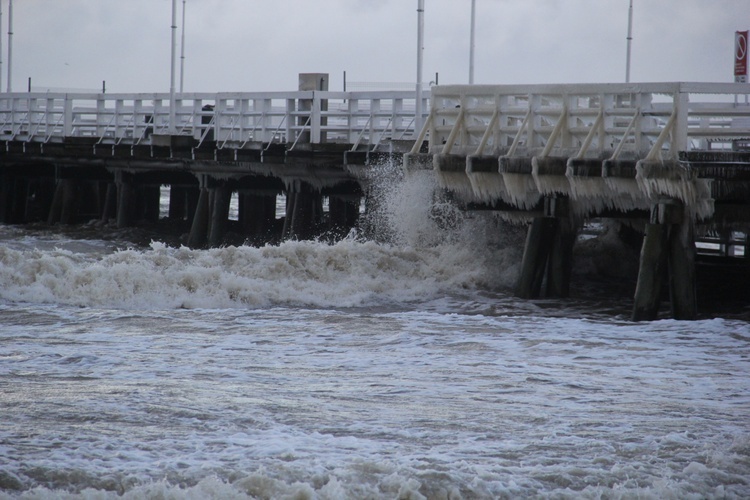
(668, 252)
(6, 196)
(177, 202)
(304, 211)
(682, 283)
(220, 199)
(257, 215)
(150, 200)
(125, 200)
(70, 201)
(548, 252)
(343, 213)
(651, 273)
(199, 228)
(55, 209)
(109, 209)
(536, 252)
(20, 200)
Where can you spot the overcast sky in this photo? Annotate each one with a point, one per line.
(261, 45)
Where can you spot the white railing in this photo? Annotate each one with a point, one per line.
(233, 120)
(587, 119)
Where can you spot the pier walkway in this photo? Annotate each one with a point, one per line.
(668, 160)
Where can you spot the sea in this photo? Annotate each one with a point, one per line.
(394, 363)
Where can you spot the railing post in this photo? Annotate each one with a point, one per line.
(68, 116)
(680, 131)
(315, 120)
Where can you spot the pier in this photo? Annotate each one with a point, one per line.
(669, 161)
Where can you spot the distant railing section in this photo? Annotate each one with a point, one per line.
(588, 120)
(230, 119)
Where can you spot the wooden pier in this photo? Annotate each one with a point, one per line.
(71, 158)
(668, 160)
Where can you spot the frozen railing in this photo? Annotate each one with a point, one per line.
(588, 119)
(233, 120)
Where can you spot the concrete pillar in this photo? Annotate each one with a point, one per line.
(199, 228)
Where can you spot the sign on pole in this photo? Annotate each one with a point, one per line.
(740, 56)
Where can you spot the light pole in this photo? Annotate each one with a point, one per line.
(10, 44)
(420, 50)
(172, 114)
(182, 51)
(630, 40)
(471, 44)
(1, 47)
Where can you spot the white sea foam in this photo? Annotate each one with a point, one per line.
(430, 248)
(349, 273)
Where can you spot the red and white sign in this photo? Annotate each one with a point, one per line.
(740, 56)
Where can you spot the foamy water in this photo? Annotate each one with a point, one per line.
(397, 368)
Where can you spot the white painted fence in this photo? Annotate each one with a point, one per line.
(361, 119)
(587, 119)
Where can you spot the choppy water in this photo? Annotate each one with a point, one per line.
(354, 370)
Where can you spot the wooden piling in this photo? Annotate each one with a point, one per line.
(109, 209)
(536, 251)
(651, 273)
(177, 202)
(560, 262)
(256, 214)
(125, 208)
(682, 282)
(55, 210)
(199, 228)
(343, 214)
(668, 252)
(219, 214)
(70, 202)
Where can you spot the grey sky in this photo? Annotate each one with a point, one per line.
(261, 45)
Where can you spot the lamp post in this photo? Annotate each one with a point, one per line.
(172, 114)
(182, 51)
(471, 44)
(420, 50)
(1, 47)
(10, 45)
(630, 40)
